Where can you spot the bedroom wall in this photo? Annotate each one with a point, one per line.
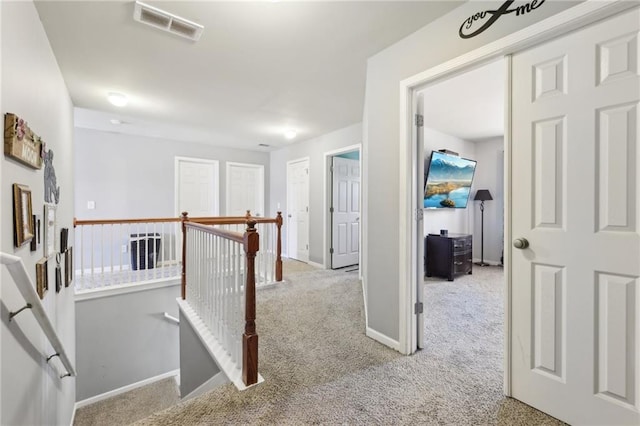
(432, 45)
(489, 175)
(454, 220)
(314, 149)
(134, 176)
(33, 88)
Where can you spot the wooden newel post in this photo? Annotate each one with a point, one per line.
(185, 218)
(250, 338)
(279, 248)
(248, 215)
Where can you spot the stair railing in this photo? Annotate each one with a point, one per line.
(219, 284)
(28, 291)
(113, 252)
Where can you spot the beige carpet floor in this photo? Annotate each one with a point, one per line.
(320, 368)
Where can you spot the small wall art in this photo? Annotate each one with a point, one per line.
(58, 273)
(49, 230)
(20, 143)
(42, 277)
(23, 228)
(51, 188)
(36, 241)
(68, 267)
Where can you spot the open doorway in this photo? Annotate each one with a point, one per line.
(461, 156)
(342, 208)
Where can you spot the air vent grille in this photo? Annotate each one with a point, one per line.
(150, 17)
(166, 21)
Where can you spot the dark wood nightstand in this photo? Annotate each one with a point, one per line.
(448, 255)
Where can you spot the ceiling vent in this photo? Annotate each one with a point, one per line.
(166, 21)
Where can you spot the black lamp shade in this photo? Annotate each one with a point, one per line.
(483, 195)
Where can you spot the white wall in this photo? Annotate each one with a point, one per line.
(424, 49)
(314, 149)
(459, 221)
(33, 88)
(489, 175)
(133, 176)
(135, 341)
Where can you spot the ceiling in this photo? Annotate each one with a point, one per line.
(469, 106)
(259, 68)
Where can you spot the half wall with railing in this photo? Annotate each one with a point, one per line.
(111, 253)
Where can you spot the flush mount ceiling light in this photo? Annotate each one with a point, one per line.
(290, 134)
(117, 99)
(166, 21)
(115, 121)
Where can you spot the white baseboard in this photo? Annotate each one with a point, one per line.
(73, 415)
(217, 380)
(124, 389)
(489, 262)
(385, 340)
(317, 265)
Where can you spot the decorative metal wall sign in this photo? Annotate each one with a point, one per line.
(477, 23)
(20, 143)
(51, 189)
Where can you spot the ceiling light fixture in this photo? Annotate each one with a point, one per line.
(290, 134)
(117, 99)
(115, 121)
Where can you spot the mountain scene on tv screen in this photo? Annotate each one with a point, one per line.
(449, 181)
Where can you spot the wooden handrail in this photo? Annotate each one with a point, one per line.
(229, 235)
(209, 220)
(222, 220)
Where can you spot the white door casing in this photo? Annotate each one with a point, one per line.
(197, 188)
(417, 240)
(576, 199)
(345, 212)
(298, 209)
(245, 189)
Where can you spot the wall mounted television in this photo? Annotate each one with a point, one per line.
(448, 181)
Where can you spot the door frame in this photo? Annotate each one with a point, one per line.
(327, 194)
(228, 192)
(571, 19)
(289, 163)
(176, 180)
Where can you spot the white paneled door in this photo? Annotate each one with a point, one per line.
(245, 189)
(297, 226)
(197, 187)
(345, 213)
(576, 201)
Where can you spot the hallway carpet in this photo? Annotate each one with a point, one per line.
(320, 368)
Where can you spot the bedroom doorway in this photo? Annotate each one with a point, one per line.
(461, 147)
(342, 200)
(566, 303)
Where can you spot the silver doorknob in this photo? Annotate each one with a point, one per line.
(289, 215)
(520, 243)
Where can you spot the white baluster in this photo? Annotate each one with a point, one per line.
(82, 247)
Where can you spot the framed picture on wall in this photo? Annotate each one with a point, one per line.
(49, 230)
(23, 228)
(42, 277)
